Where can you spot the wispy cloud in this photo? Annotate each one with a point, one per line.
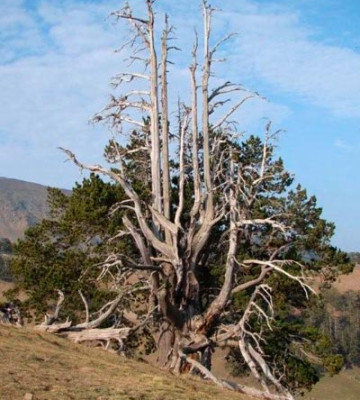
(346, 147)
(49, 92)
(278, 50)
(58, 58)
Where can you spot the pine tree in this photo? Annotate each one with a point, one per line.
(217, 233)
(61, 253)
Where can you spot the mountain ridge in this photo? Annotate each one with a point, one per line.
(22, 204)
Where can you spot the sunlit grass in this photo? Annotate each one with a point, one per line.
(53, 368)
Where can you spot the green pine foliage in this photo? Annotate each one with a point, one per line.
(62, 252)
(5, 246)
(302, 350)
(5, 257)
(338, 317)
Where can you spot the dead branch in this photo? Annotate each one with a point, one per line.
(54, 328)
(225, 118)
(105, 334)
(86, 305)
(231, 385)
(50, 319)
(276, 265)
(239, 288)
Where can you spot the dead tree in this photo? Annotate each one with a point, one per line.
(173, 248)
(91, 330)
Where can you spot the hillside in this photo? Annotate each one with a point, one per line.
(344, 386)
(344, 283)
(49, 367)
(22, 204)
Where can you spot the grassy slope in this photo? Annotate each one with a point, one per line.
(345, 386)
(53, 368)
(349, 282)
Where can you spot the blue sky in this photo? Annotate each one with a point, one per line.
(57, 57)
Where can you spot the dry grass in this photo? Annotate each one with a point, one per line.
(349, 282)
(345, 386)
(4, 286)
(53, 368)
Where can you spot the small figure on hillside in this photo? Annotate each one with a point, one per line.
(10, 314)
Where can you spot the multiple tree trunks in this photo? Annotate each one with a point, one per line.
(173, 237)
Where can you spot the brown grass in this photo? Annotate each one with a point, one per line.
(49, 367)
(345, 386)
(349, 282)
(4, 286)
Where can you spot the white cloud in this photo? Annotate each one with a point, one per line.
(47, 98)
(346, 147)
(19, 33)
(58, 59)
(276, 49)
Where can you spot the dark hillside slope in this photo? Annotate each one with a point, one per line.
(22, 204)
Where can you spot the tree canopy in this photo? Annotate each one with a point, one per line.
(61, 253)
(202, 230)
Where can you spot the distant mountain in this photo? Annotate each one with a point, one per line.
(22, 204)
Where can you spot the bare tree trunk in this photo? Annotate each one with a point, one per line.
(165, 344)
(165, 128)
(174, 247)
(220, 301)
(154, 117)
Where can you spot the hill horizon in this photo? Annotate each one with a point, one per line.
(22, 204)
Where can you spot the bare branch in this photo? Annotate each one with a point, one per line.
(195, 134)
(226, 88)
(128, 77)
(229, 113)
(50, 319)
(87, 316)
(184, 127)
(273, 265)
(219, 43)
(265, 221)
(253, 282)
(104, 316)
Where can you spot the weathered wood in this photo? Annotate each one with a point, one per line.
(51, 318)
(54, 328)
(106, 334)
(173, 245)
